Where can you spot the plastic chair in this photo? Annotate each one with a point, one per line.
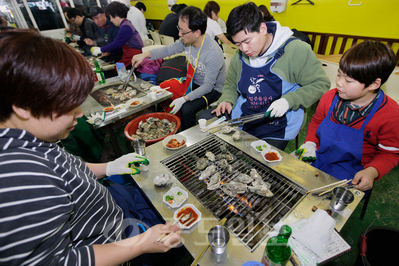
(155, 37)
(150, 47)
(229, 48)
(148, 42)
(166, 40)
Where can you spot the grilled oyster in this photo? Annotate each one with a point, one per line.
(261, 183)
(261, 190)
(210, 170)
(237, 135)
(202, 163)
(214, 183)
(223, 148)
(227, 155)
(110, 91)
(161, 180)
(243, 178)
(211, 157)
(232, 188)
(228, 129)
(255, 174)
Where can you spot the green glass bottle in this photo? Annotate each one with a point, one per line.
(99, 73)
(277, 251)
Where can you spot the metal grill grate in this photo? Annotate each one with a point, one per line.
(249, 216)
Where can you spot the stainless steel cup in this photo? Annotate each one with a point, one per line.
(218, 238)
(341, 198)
(139, 146)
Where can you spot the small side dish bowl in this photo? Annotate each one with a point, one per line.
(174, 142)
(134, 102)
(175, 197)
(185, 209)
(158, 90)
(109, 109)
(272, 156)
(261, 145)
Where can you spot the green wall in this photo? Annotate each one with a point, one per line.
(373, 18)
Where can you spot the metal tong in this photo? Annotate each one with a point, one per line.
(128, 79)
(240, 121)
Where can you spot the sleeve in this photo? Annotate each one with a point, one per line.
(213, 65)
(175, 48)
(318, 117)
(35, 212)
(305, 69)
(124, 34)
(142, 28)
(229, 91)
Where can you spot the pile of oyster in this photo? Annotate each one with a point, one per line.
(122, 95)
(242, 182)
(153, 128)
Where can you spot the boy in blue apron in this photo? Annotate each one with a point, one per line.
(354, 132)
(273, 73)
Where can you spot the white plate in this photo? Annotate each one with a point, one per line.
(179, 138)
(272, 150)
(170, 193)
(158, 90)
(128, 103)
(264, 145)
(192, 224)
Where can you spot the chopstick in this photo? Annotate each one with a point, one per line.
(331, 189)
(186, 222)
(326, 186)
(175, 222)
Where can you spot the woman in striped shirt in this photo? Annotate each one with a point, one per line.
(53, 210)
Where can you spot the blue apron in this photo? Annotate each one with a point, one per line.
(341, 147)
(258, 88)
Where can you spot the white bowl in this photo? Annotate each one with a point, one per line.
(182, 226)
(272, 150)
(170, 193)
(264, 146)
(128, 103)
(179, 138)
(158, 90)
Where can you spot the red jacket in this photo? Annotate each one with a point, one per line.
(381, 135)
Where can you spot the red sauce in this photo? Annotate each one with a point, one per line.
(271, 156)
(188, 210)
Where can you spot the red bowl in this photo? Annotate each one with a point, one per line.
(131, 128)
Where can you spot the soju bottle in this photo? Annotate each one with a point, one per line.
(99, 73)
(277, 251)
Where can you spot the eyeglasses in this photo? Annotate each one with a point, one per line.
(183, 33)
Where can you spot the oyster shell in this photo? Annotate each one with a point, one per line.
(232, 188)
(161, 180)
(261, 190)
(223, 148)
(237, 135)
(227, 155)
(202, 163)
(214, 182)
(210, 170)
(243, 178)
(228, 129)
(110, 91)
(255, 174)
(261, 183)
(211, 157)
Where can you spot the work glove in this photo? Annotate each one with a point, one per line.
(96, 51)
(307, 152)
(177, 105)
(126, 165)
(278, 108)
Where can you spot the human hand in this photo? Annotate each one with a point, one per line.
(105, 54)
(125, 165)
(177, 103)
(138, 58)
(96, 51)
(307, 152)
(365, 178)
(89, 42)
(278, 108)
(222, 108)
(150, 238)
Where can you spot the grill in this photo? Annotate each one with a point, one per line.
(249, 216)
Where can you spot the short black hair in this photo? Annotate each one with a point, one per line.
(211, 6)
(116, 9)
(73, 12)
(196, 19)
(140, 5)
(368, 61)
(246, 17)
(180, 7)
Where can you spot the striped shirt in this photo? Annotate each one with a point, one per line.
(52, 209)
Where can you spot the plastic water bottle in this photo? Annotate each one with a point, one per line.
(99, 73)
(120, 67)
(277, 251)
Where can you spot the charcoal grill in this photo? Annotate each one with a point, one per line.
(249, 216)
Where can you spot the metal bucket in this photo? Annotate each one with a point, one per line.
(341, 197)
